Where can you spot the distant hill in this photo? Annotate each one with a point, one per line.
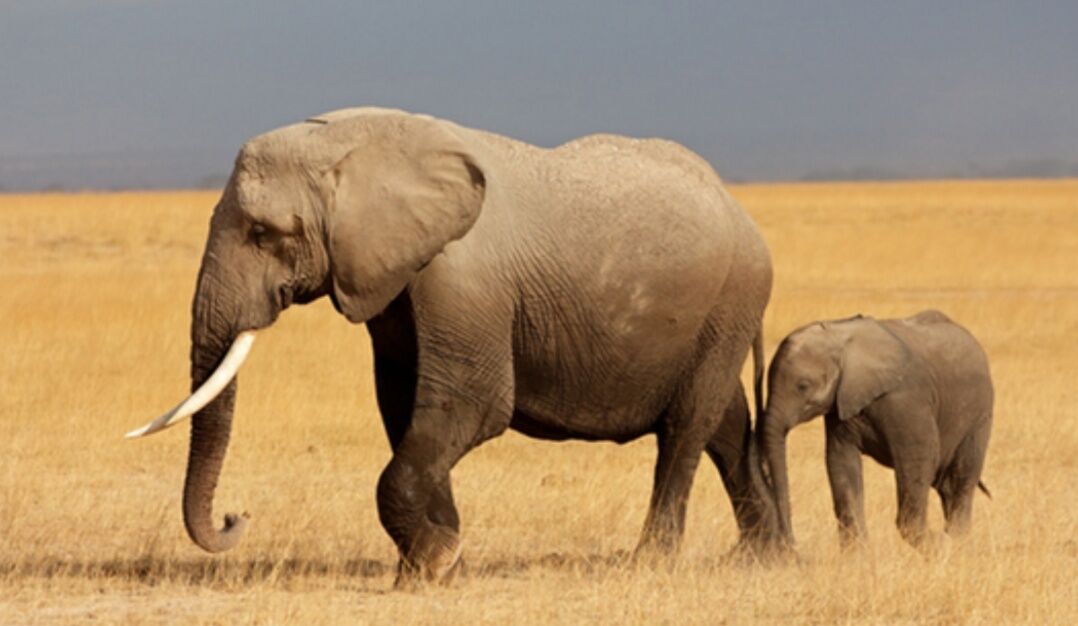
(208, 169)
(1014, 168)
(135, 170)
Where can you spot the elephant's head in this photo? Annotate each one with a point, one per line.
(838, 367)
(352, 205)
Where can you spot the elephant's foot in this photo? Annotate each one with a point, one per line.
(433, 558)
(758, 551)
(934, 545)
(656, 553)
(852, 539)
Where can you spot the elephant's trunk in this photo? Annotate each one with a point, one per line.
(774, 449)
(210, 427)
(768, 524)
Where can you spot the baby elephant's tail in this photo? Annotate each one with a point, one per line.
(984, 488)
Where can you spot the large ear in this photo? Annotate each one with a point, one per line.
(873, 363)
(410, 188)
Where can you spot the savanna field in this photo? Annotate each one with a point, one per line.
(95, 294)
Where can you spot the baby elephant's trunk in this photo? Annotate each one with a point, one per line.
(773, 445)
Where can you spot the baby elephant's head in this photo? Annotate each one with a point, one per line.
(837, 367)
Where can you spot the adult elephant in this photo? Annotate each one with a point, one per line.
(605, 289)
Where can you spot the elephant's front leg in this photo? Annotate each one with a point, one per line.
(844, 472)
(461, 400)
(395, 384)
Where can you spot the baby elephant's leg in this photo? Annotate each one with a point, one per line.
(847, 489)
(913, 480)
(960, 481)
(916, 459)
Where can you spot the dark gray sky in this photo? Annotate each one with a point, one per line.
(106, 93)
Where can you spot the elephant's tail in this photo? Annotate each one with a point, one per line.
(758, 371)
(984, 488)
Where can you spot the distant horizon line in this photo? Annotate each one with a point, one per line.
(186, 169)
(62, 190)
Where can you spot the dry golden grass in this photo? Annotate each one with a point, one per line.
(94, 299)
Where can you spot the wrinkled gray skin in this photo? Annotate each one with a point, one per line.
(914, 394)
(603, 290)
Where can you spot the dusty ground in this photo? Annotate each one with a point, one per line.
(94, 308)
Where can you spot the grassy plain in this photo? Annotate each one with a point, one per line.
(94, 310)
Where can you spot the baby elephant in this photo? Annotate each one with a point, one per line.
(914, 394)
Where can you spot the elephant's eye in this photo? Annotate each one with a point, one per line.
(260, 235)
(803, 385)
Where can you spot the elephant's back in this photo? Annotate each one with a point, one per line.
(638, 234)
(958, 363)
(663, 151)
(604, 185)
(629, 255)
(942, 340)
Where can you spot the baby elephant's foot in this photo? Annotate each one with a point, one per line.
(434, 557)
(934, 546)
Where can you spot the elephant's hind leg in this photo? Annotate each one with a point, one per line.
(679, 455)
(957, 499)
(959, 482)
(916, 462)
(909, 428)
(913, 485)
(687, 426)
(729, 449)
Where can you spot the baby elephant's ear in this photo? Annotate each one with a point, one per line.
(396, 200)
(874, 362)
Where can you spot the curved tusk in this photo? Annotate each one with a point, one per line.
(217, 381)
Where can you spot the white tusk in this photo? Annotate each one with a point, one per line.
(217, 381)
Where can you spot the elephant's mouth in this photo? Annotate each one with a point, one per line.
(284, 297)
(336, 303)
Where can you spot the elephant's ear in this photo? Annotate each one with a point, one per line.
(395, 202)
(874, 362)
